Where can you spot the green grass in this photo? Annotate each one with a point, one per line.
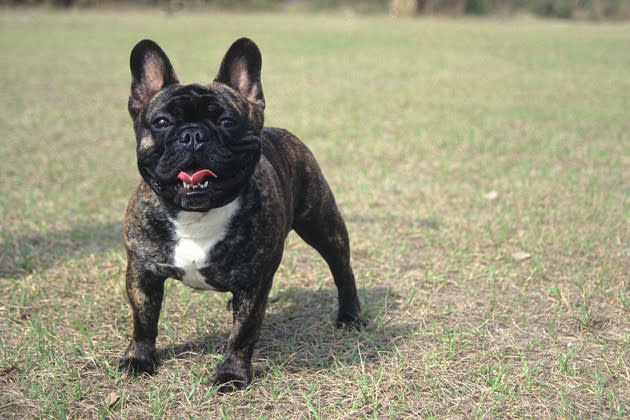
(450, 145)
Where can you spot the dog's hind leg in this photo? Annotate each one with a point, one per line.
(321, 226)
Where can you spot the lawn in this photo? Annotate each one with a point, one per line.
(482, 166)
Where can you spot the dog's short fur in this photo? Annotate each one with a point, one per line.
(218, 196)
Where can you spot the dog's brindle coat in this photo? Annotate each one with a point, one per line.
(224, 229)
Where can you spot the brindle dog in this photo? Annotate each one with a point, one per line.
(218, 196)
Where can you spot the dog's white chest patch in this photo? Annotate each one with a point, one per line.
(196, 234)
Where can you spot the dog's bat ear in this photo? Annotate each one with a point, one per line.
(240, 69)
(151, 71)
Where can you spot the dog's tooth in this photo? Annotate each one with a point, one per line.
(205, 184)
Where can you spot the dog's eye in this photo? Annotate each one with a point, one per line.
(227, 123)
(160, 123)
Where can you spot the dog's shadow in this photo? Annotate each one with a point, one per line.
(300, 334)
(24, 253)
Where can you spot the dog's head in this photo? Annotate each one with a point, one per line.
(197, 145)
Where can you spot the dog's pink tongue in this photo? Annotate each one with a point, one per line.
(197, 177)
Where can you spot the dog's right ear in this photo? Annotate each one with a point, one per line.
(151, 71)
(240, 69)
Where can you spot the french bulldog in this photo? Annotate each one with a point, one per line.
(219, 193)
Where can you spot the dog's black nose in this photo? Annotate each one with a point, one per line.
(192, 137)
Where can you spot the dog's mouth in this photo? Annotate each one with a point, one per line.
(195, 180)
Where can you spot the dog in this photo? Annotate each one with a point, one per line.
(219, 193)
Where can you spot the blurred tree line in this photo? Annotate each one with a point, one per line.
(566, 9)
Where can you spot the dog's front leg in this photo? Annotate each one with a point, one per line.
(248, 307)
(145, 292)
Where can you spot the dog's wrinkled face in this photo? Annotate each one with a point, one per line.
(197, 146)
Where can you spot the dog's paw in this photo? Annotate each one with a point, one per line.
(136, 367)
(138, 360)
(229, 385)
(351, 320)
(230, 377)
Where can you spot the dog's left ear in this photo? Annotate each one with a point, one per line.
(240, 69)
(151, 71)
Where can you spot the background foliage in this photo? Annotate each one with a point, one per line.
(566, 9)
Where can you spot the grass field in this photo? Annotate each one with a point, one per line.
(483, 168)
